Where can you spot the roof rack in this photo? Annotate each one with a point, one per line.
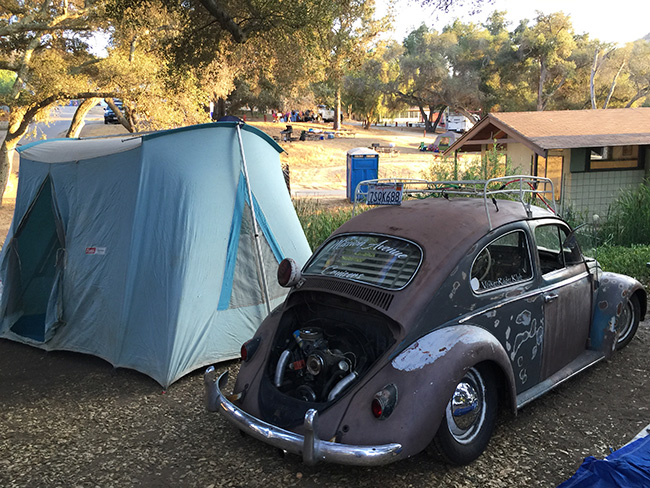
(523, 188)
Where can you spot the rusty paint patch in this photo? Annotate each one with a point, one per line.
(419, 355)
(603, 305)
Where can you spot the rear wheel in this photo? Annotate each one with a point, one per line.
(628, 322)
(470, 417)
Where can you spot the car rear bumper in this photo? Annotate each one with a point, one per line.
(310, 447)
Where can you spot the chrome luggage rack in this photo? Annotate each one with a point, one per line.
(523, 188)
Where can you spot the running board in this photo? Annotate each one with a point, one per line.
(582, 362)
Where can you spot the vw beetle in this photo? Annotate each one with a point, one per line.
(413, 324)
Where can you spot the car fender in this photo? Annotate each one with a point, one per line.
(426, 374)
(612, 295)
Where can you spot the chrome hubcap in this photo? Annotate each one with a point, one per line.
(625, 322)
(465, 411)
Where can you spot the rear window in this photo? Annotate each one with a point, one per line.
(383, 261)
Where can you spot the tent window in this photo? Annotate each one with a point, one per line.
(246, 286)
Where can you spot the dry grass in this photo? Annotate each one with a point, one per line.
(321, 164)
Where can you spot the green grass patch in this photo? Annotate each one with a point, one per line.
(319, 220)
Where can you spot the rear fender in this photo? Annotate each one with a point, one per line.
(426, 375)
(613, 293)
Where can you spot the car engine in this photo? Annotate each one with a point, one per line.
(317, 361)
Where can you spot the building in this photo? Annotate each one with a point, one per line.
(590, 155)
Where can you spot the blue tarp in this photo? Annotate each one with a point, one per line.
(628, 467)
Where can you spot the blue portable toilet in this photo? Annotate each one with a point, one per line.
(362, 164)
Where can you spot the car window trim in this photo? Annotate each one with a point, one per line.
(531, 262)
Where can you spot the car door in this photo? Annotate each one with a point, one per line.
(503, 282)
(566, 290)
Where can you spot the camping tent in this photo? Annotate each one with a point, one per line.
(143, 250)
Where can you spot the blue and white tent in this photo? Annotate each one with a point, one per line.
(151, 252)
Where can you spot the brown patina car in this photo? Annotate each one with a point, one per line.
(413, 324)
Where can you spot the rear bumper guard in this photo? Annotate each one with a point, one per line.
(310, 447)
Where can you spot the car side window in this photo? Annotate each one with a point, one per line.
(503, 262)
(556, 248)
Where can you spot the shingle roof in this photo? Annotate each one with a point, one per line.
(566, 129)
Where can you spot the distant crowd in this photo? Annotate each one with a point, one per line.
(294, 116)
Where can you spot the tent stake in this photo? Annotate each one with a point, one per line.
(260, 261)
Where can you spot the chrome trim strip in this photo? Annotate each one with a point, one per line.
(523, 296)
(310, 447)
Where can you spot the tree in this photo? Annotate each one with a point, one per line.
(440, 70)
(365, 88)
(423, 69)
(43, 44)
(348, 42)
(639, 71)
(545, 52)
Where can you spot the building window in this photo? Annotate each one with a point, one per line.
(613, 157)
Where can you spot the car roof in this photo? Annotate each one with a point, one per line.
(446, 229)
(442, 226)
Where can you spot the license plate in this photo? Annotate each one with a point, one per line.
(384, 194)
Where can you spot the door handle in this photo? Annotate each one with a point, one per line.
(550, 297)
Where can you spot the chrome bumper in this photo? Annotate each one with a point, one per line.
(310, 447)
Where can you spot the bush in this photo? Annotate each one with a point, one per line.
(630, 261)
(492, 164)
(628, 221)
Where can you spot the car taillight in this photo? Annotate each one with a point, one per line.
(288, 273)
(377, 408)
(248, 348)
(384, 401)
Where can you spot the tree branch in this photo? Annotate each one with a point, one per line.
(75, 21)
(225, 20)
(611, 89)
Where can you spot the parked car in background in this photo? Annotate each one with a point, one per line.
(327, 114)
(413, 324)
(110, 117)
(460, 123)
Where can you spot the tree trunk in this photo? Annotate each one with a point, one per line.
(592, 88)
(540, 87)
(78, 118)
(425, 117)
(6, 159)
(127, 124)
(438, 118)
(337, 109)
(613, 86)
(220, 110)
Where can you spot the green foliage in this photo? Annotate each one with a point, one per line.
(630, 261)
(492, 164)
(628, 222)
(319, 221)
(7, 79)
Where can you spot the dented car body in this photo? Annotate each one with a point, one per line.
(413, 324)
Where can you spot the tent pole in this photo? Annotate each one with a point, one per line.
(260, 261)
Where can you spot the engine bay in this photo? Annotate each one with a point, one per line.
(321, 349)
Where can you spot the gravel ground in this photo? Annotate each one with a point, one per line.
(71, 420)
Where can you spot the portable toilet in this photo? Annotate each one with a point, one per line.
(362, 164)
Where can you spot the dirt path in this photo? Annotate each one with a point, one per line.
(67, 419)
